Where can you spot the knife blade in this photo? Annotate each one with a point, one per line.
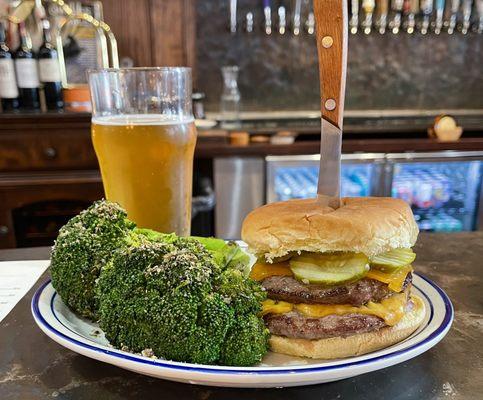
(331, 28)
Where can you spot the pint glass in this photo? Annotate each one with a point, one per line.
(144, 137)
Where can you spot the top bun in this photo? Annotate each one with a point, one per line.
(369, 225)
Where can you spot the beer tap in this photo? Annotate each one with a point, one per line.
(354, 21)
(282, 20)
(411, 16)
(395, 24)
(296, 17)
(310, 23)
(406, 10)
(479, 8)
(368, 7)
(233, 16)
(466, 10)
(453, 19)
(438, 24)
(267, 12)
(249, 22)
(382, 9)
(427, 10)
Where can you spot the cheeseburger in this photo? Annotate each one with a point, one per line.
(338, 281)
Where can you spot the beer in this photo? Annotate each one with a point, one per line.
(146, 164)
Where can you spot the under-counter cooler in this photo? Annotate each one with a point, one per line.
(444, 189)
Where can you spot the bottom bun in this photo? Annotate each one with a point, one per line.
(340, 347)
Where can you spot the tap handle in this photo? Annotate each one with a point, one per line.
(233, 16)
(310, 23)
(382, 8)
(267, 12)
(354, 21)
(282, 20)
(412, 11)
(439, 6)
(479, 9)
(368, 7)
(249, 22)
(427, 10)
(296, 17)
(453, 19)
(466, 11)
(397, 7)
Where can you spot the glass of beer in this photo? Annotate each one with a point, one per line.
(144, 137)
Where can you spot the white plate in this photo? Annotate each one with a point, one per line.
(79, 335)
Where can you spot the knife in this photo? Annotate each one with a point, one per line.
(331, 28)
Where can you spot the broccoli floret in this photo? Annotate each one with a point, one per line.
(160, 296)
(243, 294)
(226, 254)
(246, 342)
(154, 236)
(84, 245)
(247, 339)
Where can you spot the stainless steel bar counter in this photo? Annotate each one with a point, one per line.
(34, 367)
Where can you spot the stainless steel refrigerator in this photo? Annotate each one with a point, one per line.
(444, 189)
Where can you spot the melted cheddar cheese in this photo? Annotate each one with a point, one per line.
(391, 310)
(394, 280)
(260, 271)
(270, 306)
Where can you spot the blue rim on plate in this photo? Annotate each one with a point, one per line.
(446, 322)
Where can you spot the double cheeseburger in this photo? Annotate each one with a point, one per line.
(338, 281)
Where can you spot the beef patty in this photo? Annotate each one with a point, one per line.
(298, 326)
(289, 289)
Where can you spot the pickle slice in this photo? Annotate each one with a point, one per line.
(329, 269)
(392, 260)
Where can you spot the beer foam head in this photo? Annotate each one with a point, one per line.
(142, 119)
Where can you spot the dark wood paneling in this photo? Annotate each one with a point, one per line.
(173, 32)
(154, 32)
(130, 22)
(190, 36)
(47, 150)
(46, 142)
(20, 190)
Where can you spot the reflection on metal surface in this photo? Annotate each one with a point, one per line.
(296, 176)
(239, 188)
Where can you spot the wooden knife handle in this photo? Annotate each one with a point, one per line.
(331, 22)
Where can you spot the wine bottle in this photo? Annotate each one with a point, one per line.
(8, 82)
(49, 71)
(27, 72)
